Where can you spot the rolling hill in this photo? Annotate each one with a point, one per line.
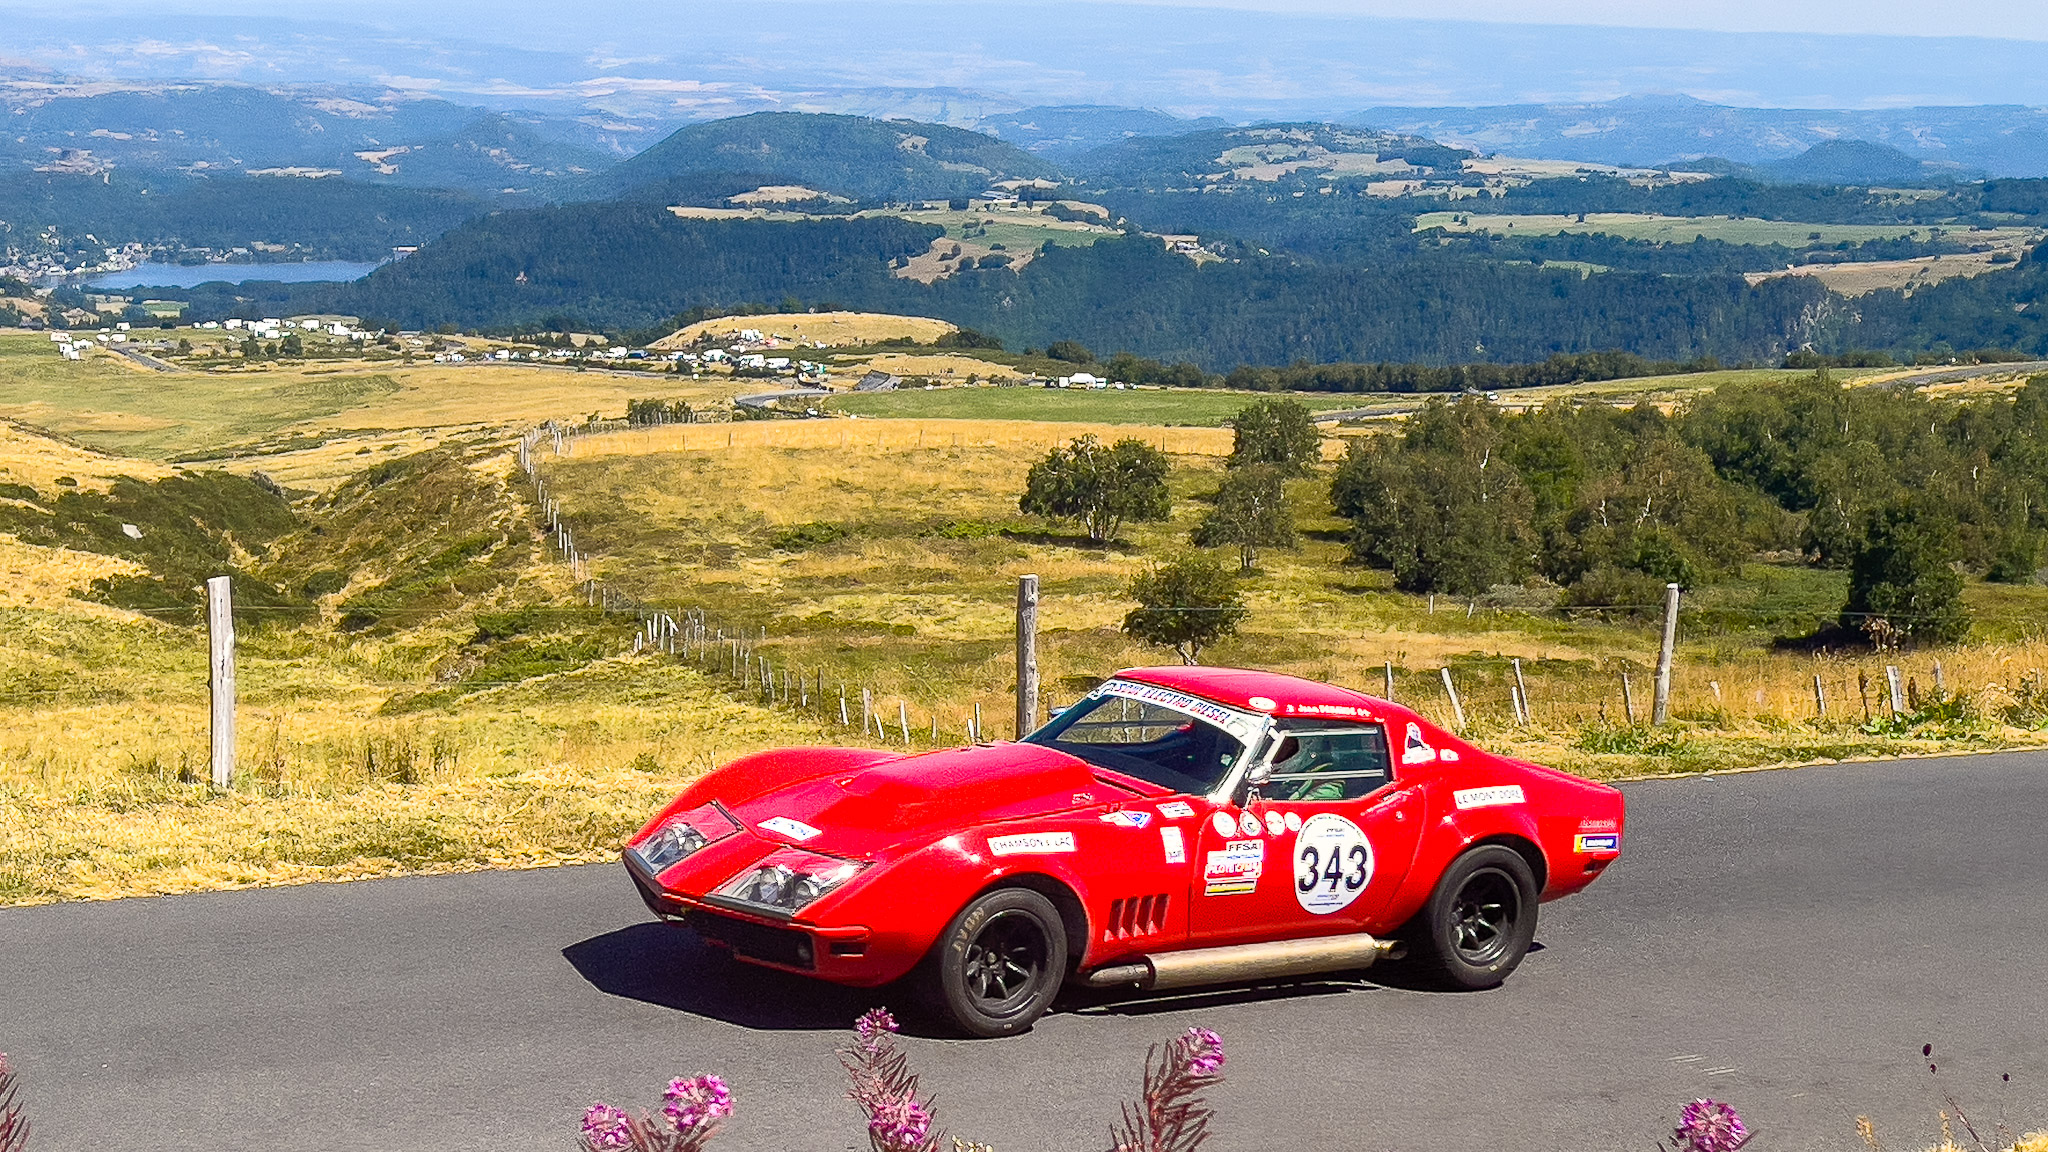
(848, 156)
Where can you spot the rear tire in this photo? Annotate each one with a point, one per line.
(999, 964)
(1479, 921)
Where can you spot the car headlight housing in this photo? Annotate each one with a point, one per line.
(787, 880)
(682, 835)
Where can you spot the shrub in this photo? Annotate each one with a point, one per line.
(1278, 432)
(1100, 487)
(1186, 605)
(1903, 585)
(1251, 513)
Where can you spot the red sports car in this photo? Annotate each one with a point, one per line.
(1176, 827)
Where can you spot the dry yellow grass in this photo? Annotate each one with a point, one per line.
(940, 366)
(33, 575)
(28, 456)
(908, 592)
(101, 800)
(1857, 279)
(837, 329)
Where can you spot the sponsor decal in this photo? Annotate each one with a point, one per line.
(1248, 824)
(1598, 826)
(1294, 821)
(1177, 810)
(1598, 842)
(1224, 824)
(1332, 863)
(1236, 723)
(1417, 750)
(1488, 797)
(1176, 848)
(1328, 710)
(1127, 818)
(1234, 869)
(794, 829)
(1262, 703)
(1447, 753)
(1031, 843)
(1276, 824)
(1081, 798)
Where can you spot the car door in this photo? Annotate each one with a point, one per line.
(1320, 849)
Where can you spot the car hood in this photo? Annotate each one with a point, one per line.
(917, 799)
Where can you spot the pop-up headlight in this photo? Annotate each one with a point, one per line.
(787, 880)
(682, 834)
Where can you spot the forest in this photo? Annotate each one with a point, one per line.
(1612, 504)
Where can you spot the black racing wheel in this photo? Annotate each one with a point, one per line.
(1000, 962)
(1479, 921)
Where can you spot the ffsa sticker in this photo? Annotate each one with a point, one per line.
(1332, 863)
(1235, 869)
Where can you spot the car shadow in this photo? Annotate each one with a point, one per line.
(669, 967)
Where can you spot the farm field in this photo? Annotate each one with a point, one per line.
(1680, 229)
(1163, 407)
(836, 329)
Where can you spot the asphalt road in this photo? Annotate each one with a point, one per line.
(1783, 940)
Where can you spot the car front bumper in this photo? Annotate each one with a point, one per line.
(836, 953)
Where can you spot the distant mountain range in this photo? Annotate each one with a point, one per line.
(2001, 140)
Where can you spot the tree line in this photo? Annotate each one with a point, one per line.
(1608, 505)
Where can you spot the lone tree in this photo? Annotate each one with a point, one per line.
(1251, 513)
(1185, 604)
(1102, 487)
(1279, 432)
(1903, 584)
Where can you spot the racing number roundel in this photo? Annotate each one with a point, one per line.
(1332, 863)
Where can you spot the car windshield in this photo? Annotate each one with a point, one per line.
(1151, 740)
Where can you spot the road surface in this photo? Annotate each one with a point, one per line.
(1783, 940)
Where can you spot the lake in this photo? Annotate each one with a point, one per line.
(191, 276)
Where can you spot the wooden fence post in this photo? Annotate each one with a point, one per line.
(1521, 693)
(1451, 690)
(867, 711)
(1820, 699)
(1389, 696)
(1661, 707)
(1940, 681)
(1893, 686)
(1027, 655)
(975, 736)
(1628, 699)
(220, 680)
(903, 721)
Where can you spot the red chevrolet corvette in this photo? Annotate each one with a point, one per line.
(1176, 827)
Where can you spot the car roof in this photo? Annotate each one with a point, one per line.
(1273, 693)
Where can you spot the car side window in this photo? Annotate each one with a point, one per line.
(1329, 762)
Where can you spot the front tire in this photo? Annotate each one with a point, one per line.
(1000, 963)
(1479, 921)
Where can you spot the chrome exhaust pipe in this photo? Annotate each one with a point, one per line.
(1241, 962)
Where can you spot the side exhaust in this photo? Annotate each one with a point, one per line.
(1240, 962)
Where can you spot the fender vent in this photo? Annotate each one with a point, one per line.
(1135, 916)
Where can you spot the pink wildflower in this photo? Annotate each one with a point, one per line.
(1203, 1051)
(697, 1102)
(607, 1127)
(1710, 1126)
(874, 1023)
(899, 1123)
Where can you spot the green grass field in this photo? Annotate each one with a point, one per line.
(1015, 231)
(1177, 407)
(1683, 229)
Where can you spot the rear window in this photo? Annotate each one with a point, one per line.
(1321, 760)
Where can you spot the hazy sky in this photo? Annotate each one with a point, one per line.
(2005, 19)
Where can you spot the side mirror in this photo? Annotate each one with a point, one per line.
(1260, 775)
